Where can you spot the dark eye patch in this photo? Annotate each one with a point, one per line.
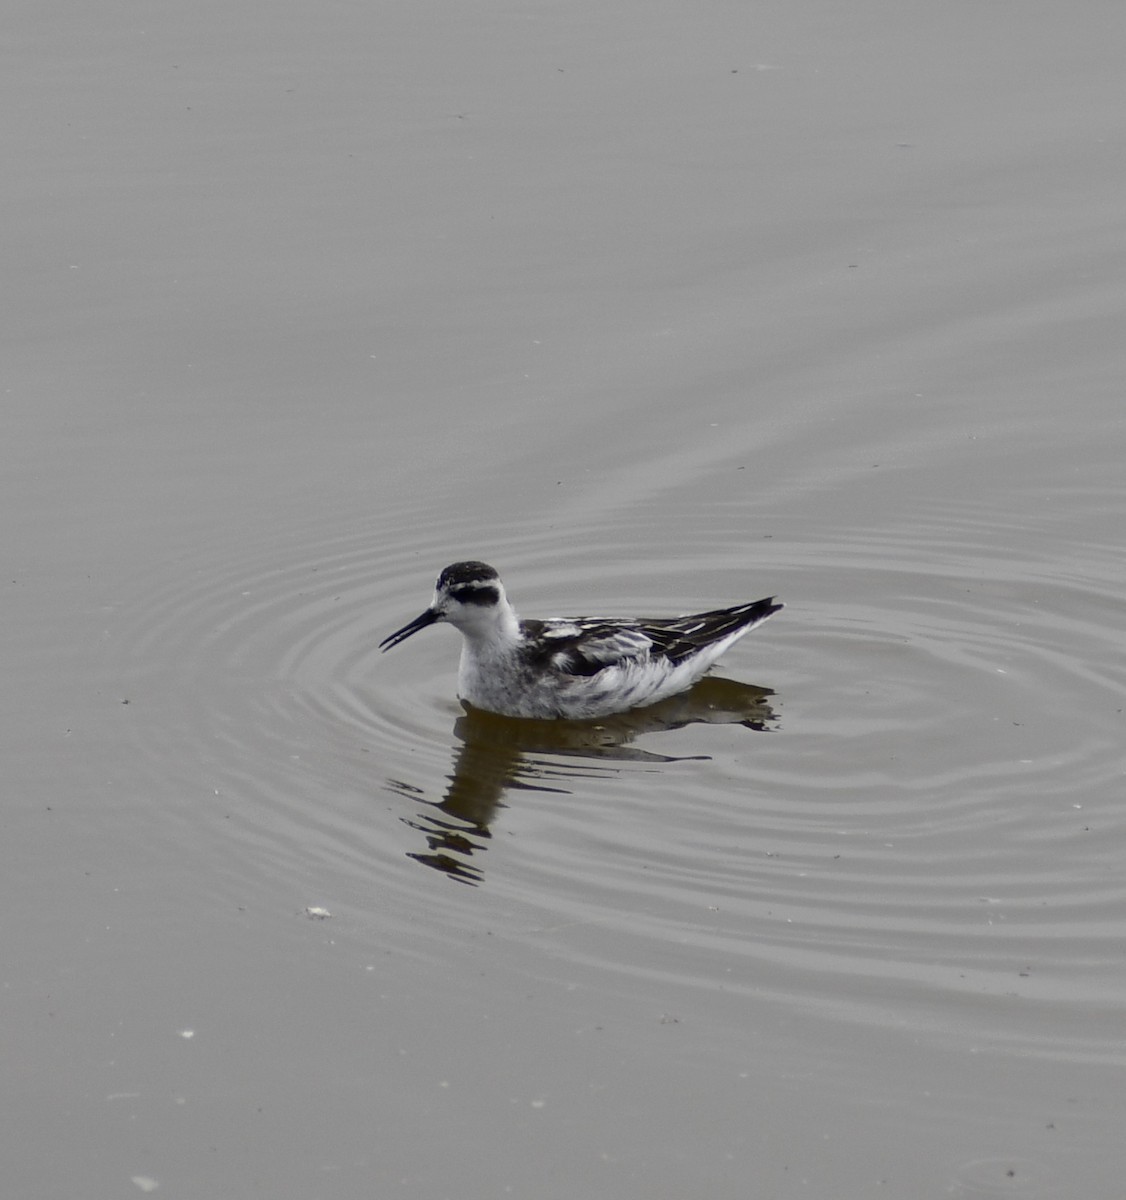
(483, 596)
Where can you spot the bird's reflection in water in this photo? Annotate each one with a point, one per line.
(501, 754)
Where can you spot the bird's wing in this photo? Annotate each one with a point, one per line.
(680, 637)
(586, 646)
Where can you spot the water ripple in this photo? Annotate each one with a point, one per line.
(917, 821)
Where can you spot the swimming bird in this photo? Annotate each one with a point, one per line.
(576, 667)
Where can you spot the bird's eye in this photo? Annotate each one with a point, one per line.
(483, 596)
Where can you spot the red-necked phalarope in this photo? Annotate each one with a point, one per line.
(572, 668)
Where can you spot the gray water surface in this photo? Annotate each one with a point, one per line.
(656, 309)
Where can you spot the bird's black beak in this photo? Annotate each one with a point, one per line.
(401, 635)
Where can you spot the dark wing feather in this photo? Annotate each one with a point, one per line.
(681, 637)
(597, 644)
(594, 646)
